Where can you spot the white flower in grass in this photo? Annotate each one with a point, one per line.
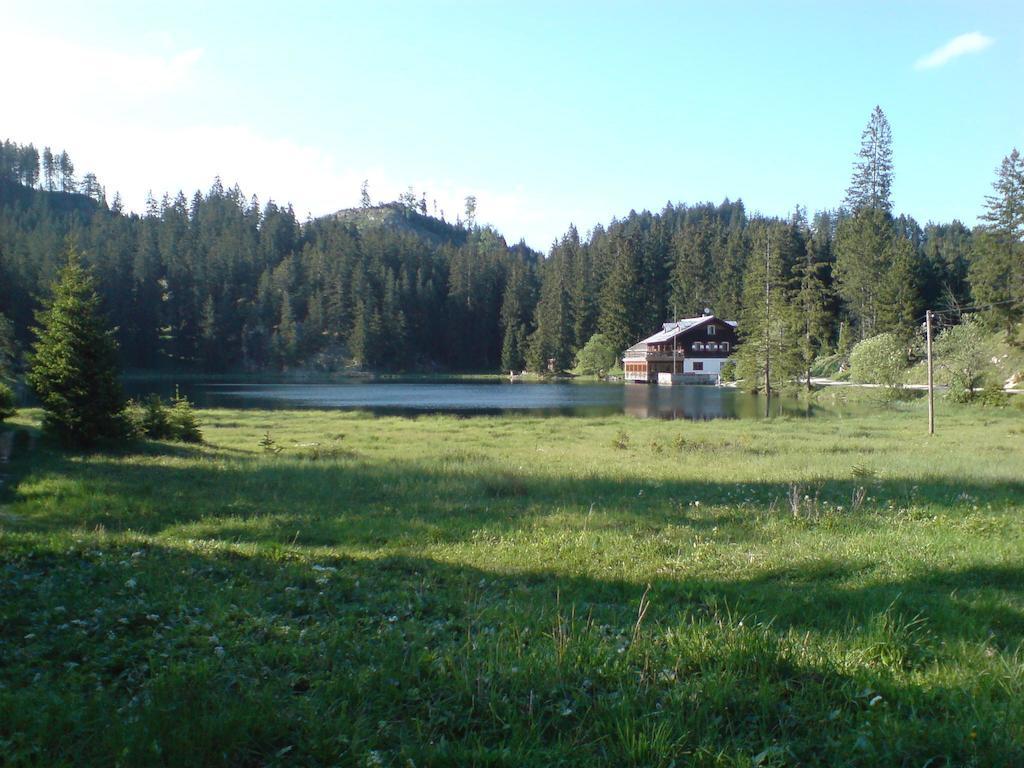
(131, 583)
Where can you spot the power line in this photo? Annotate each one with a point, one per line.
(970, 308)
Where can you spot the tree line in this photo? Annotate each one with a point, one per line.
(220, 282)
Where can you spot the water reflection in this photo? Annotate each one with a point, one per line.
(482, 397)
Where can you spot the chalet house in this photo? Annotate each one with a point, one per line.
(693, 348)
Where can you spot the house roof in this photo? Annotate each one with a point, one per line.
(669, 330)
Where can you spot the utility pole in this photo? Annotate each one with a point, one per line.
(675, 334)
(931, 387)
(767, 319)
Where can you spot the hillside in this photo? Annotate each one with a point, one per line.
(399, 219)
(216, 282)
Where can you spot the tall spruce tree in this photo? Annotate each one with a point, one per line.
(812, 302)
(900, 293)
(769, 354)
(997, 266)
(862, 246)
(621, 318)
(871, 185)
(73, 366)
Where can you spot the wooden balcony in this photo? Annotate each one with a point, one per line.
(655, 357)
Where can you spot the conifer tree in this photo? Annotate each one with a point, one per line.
(812, 307)
(8, 348)
(872, 177)
(552, 337)
(620, 320)
(863, 243)
(73, 367)
(997, 266)
(899, 294)
(49, 169)
(768, 356)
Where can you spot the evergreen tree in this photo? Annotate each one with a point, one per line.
(899, 294)
(49, 169)
(8, 348)
(66, 171)
(871, 186)
(997, 266)
(769, 354)
(812, 307)
(863, 244)
(620, 319)
(73, 366)
(516, 309)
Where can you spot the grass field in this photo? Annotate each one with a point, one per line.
(520, 591)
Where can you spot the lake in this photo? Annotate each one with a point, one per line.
(396, 397)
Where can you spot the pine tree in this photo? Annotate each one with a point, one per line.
(620, 320)
(812, 306)
(49, 169)
(8, 348)
(286, 337)
(769, 354)
(997, 266)
(73, 367)
(208, 336)
(900, 294)
(871, 186)
(1005, 209)
(66, 170)
(863, 243)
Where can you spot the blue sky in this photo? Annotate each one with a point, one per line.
(549, 113)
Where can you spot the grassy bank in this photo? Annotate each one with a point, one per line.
(520, 591)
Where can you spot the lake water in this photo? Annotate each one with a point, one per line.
(481, 397)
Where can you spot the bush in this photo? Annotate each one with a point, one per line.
(728, 372)
(879, 360)
(993, 395)
(154, 419)
(961, 359)
(185, 425)
(6, 402)
(597, 357)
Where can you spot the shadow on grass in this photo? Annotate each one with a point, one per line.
(223, 656)
(342, 499)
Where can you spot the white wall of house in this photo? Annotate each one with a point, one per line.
(711, 364)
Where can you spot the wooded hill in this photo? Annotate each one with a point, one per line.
(220, 282)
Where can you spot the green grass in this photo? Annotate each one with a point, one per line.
(520, 591)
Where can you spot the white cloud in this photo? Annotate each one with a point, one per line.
(129, 118)
(971, 42)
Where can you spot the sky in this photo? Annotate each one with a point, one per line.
(550, 113)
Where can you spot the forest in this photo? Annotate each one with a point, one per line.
(220, 282)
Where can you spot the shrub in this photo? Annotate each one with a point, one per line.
(728, 372)
(6, 402)
(993, 395)
(879, 360)
(183, 421)
(961, 359)
(156, 420)
(597, 357)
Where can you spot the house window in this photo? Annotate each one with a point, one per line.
(724, 346)
(711, 330)
(698, 365)
(712, 347)
(698, 346)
